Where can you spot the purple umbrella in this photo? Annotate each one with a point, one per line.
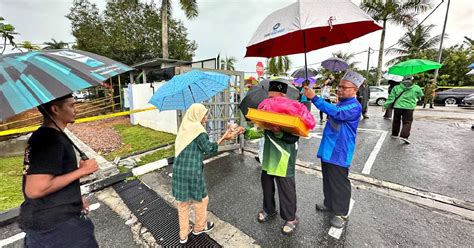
(335, 64)
(299, 81)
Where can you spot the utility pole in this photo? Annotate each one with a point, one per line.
(441, 42)
(368, 64)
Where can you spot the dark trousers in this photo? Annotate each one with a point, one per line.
(404, 116)
(336, 188)
(74, 232)
(365, 105)
(429, 100)
(286, 194)
(321, 112)
(388, 112)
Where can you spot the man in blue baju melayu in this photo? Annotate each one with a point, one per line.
(338, 145)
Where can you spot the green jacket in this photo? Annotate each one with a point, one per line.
(279, 154)
(409, 98)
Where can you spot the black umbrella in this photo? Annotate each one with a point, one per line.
(259, 93)
(300, 73)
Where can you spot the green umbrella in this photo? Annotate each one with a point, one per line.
(413, 66)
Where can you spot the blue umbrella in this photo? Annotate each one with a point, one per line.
(335, 64)
(188, 88)
(471, 66)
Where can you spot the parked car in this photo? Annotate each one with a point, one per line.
(378, 95)
(452, 96)
(468, 100)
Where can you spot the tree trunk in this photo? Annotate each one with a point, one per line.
(378, 76)
(164, 28)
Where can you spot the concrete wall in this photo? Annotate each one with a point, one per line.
(139, 95)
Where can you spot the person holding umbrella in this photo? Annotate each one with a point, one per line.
(278, 166)
(53, 213)
(338, 145)
(326, 94)
(403, 100)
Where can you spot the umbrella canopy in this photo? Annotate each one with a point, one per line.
(392, 77)
(413, 66)
(471, 72)
(309, 25)
(471, 66)
(335, 64)
(259, 93)
(301, 73)
(33, 78)
(188, 88)
(299, 81)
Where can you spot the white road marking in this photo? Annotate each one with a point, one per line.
(373, 155)
(337, 232)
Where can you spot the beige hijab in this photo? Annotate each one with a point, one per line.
(191, 127)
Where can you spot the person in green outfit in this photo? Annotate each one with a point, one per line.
(278, 165)
(429, 91)
(188, 184)
(403, 98)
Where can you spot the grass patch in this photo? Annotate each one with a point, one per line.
(138, 139)
(161, 154)
(11, 173)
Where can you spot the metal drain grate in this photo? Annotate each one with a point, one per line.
(157, 215)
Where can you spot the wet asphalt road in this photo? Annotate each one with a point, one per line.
(376, 220)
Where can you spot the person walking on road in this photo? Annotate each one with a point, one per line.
(429, 92)
(337, 146)
(53, 213)
(389, 110)
(188, 184)
(363, 96)
(403, 100)
(278, 166)
(326, 95)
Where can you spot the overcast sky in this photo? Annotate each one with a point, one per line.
(226, 26)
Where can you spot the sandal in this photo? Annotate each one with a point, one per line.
(290, 227)
(208, 228)
(264, 217)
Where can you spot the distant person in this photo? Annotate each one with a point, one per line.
(403, 99)
(389, 110)
(303, 98)
(363, 96)
(54, 213)
(326, 95)
(188, 184)
(430, 90)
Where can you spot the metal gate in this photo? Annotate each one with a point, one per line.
(223, 108)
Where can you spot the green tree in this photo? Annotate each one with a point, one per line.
(228, 63)
(189, 7)
(7, 32)
(399, 12)
(413, 43)
(127, 31)
(278, 66)
(54, 44)
(28, 46)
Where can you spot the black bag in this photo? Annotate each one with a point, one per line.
(394, 101)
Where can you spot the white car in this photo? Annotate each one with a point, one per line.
(378, 95)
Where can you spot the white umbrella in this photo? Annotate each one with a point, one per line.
(393, 77)
(471, 72)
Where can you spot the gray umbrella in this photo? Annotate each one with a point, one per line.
(300, 73)
(259, 93)
(335, 64)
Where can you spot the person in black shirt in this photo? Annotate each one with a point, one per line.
(52, 214)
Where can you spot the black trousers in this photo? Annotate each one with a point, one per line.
(406, 117)
(365, 105)
(321, 112)
(388, 112)
(336, 188)
(286, 194)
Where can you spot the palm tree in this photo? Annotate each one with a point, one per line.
(55, 45)
(228, 63)
(278, 66)
(468, 42)
(413, 43)
(189, 7)
(7, 32)
(346, 57)
(28, 46)
(400, 12)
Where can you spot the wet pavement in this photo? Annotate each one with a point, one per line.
(376, 220)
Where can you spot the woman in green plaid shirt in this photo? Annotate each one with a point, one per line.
(189, 187)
